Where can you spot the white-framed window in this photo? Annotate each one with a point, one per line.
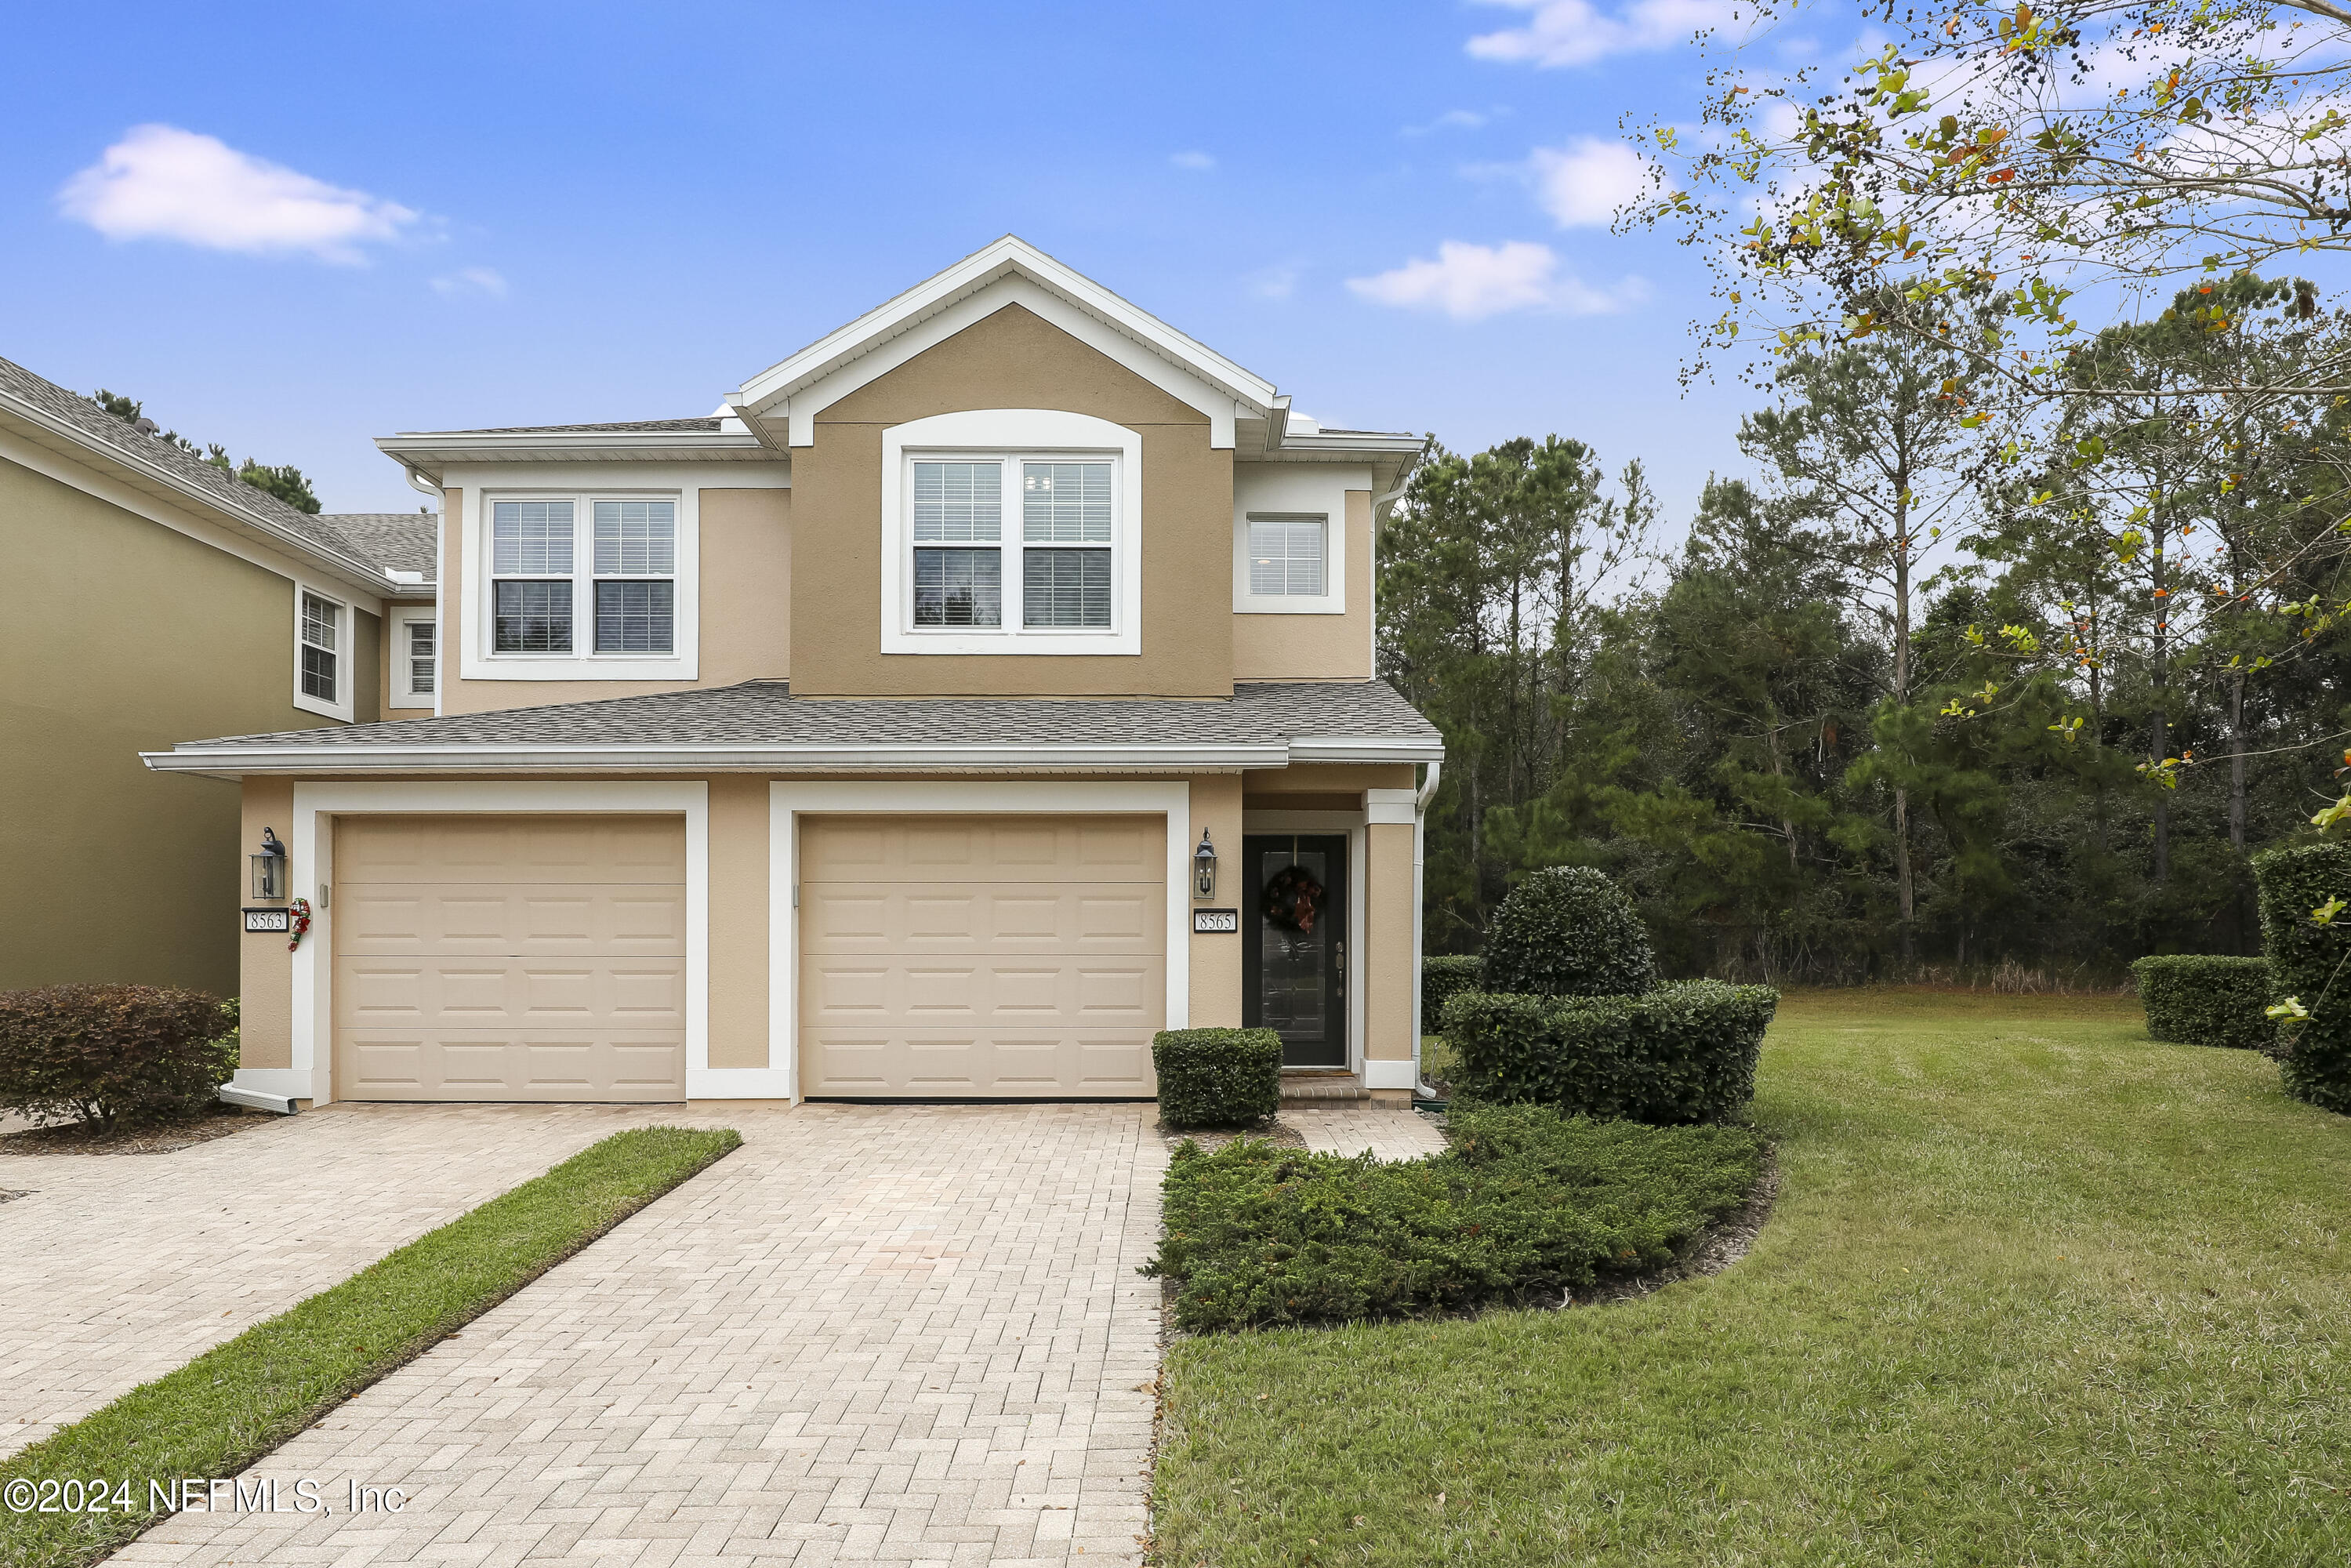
(586, 584)
(1288, 557)
(322, 654)
(1010, 531)
(415, 657)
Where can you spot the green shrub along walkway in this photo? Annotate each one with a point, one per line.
(2037, 1289)
(229, 1406)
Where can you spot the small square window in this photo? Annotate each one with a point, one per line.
(1285, 557)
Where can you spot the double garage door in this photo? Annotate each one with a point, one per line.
(521, 958)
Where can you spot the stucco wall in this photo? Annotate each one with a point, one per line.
(739, 922)
(744, 621)
(1317, 647)
(1012, 358)
(266, 965)
(1217, 957)
(124, 636)
(1388, 971)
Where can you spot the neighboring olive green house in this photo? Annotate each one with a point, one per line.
(152, 594)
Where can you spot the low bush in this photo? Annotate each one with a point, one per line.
(1442, 978)
(1216, 1077)
(113, 1055)
(2308, 962)
(1684, 1052)
(1568, 931)
(2206, 1000)
(1526, 1202)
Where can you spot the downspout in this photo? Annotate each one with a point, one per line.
(1420, 842)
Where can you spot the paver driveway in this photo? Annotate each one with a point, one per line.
(907, 1334)
(118, 1268)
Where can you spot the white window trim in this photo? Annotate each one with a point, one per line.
(1332, 601)
(476, 657)
(1010, 433)
(404, 693)
(346, 665)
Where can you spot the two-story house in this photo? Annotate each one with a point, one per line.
(153, 593)
(981, 689)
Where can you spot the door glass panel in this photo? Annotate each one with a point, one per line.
(1294, 926)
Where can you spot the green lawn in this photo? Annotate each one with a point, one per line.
(2037, 1291)
(236, 1402)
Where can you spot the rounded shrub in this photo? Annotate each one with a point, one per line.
(113, 1055)
(1442, 978)
(1216, 1077)
(1569, 931)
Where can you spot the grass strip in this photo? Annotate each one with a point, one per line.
(236, 1402)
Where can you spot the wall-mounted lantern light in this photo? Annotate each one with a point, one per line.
(1204, 868)
(269, 879)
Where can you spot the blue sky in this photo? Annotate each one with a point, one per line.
(528, 214)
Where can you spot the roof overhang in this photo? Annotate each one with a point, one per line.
(158, 482)
(429, 454)
(239, 761)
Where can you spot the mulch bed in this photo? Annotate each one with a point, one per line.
(82, 1138)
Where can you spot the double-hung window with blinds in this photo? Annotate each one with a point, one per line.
(321, 647)
(629, 593)
(1064, 542)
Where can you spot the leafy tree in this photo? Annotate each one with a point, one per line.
(285, 481)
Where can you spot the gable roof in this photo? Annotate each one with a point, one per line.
(760, 725)
(1008, 257)
(67, 423)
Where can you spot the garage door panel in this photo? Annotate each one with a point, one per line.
(510, 958)
(952, 1063)
(450, 917)
(507, 849)
(1006, 917)
(884, 850)
(532, 1065)
(980, 992)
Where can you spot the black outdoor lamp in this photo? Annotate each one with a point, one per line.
(269, 870)
(1204, 868)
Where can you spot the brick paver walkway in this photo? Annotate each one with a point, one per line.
(115, 1269)
(907, 1334)
(1389, 1134)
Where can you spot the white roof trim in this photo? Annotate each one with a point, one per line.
(1007, 258)
(231, 761)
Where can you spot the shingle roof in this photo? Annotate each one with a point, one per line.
(624, 427)
(403, 541)
(103, 429)
(764, 715)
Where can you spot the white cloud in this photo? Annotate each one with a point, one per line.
(1576, 33)
(161, 183)
(472, 280)
(1586, 181)
(1193, 160)
(1471, 282)
(1279, 281)
(1455, 119)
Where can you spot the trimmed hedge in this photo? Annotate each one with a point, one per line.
(2308, 963)
(2206, 1000)
(1684, 1052)
(113, 1055)
(1568, 931)
(1442, 978)
(1525, 1201)
(1216, 1077)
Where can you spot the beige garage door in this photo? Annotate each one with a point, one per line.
(510, 957)
(990, 956)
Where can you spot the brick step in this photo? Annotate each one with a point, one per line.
(1324, 1088)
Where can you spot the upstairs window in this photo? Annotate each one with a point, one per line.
(415, 657)
(637, 572)
(1062, 556)
(531, 559)
(1285, 557)
(589, 577)
(321, 647)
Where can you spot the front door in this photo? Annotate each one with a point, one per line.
(1294, 950)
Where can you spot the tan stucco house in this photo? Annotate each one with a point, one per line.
(152, 595)
(867, 740)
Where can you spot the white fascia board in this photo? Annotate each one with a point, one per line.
(1005, 257)
(431, 455)
(350, 570)
(241, 760)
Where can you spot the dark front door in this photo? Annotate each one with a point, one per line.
(1294, 944)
